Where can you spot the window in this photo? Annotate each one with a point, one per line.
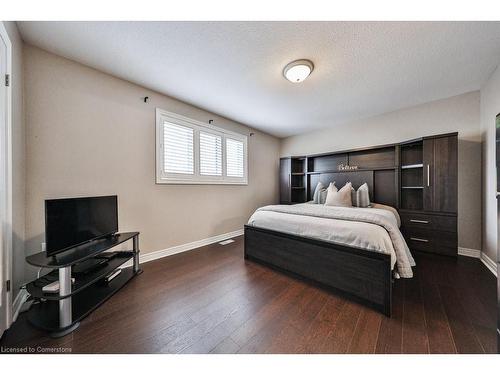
(234, 152)
(210, 154)
(178, 149)
(191, 152)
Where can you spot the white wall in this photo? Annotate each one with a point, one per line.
(490, 107)
(18, 158)
(459, 113)
(89, 133)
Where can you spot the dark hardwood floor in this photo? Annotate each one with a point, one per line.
(211, 300)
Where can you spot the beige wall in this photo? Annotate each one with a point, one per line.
(89, 133)
(490, 107)
(18, 158)
(459, 113)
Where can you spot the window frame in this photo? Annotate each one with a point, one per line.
(196, 178)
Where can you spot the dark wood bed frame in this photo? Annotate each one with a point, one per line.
(362, 275)
(365, 276)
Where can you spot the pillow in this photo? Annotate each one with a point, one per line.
(319, 196)
(324, 193)
(363, 196)
(317, 192)
(340, 197)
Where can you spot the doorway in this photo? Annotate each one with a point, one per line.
(5, 182)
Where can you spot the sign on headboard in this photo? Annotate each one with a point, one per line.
(346, 167)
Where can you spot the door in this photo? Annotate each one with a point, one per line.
(497, 146)
(285, 176)
(427, 178)
(440, 174)
(5, 179)
(498, 261)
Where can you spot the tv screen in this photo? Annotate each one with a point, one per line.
(74, 221)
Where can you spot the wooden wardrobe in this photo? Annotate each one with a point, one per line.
(429, 193)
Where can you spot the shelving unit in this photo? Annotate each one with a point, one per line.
(45, 315)
(298, 180)
(60, 313)
(412, 175)
(293, 178)
(35, 288)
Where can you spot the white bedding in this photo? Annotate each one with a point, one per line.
(372, 229)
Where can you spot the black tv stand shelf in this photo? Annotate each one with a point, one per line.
(81, 281)
(61, 312)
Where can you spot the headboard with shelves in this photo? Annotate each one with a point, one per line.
(377, 166)
(397, 174)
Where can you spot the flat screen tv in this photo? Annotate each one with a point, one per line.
(73, 221)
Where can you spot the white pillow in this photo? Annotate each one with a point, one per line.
(340, 197)
(319, 196)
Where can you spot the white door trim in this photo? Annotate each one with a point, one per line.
(6, 204)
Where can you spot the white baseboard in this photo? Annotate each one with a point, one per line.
(473, 253)
(485, 259)
(489, 263)
(21, 297)
(143, 258)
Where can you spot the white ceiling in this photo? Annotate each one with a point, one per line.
(235, 68)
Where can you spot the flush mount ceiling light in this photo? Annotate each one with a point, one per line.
(298, 70)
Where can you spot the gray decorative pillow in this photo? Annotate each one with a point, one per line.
(320, 192)
(354, 198)
(363, 196)
(317, 192)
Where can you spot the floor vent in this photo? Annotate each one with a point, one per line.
(226, 242)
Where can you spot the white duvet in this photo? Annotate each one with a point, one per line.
(373, 229)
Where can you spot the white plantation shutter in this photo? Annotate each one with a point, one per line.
(178, 148)
(210, 154)
(192, 152)
(235, 158)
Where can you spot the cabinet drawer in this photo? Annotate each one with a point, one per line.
(427, 221)
(431, 241)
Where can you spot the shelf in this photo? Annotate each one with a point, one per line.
(79, 253)
(298, 174)
(81, 281)
(45, 315)
(298, 187)
(412, 187)
(412, 166)
(354, 170)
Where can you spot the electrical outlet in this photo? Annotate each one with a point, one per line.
(43, 247)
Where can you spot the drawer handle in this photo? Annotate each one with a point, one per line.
(419, 221)
(418, 239)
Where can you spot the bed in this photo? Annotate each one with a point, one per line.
(356, 251)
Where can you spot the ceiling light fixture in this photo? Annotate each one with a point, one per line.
(298, 70)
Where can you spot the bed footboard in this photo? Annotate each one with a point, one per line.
(362, 275)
